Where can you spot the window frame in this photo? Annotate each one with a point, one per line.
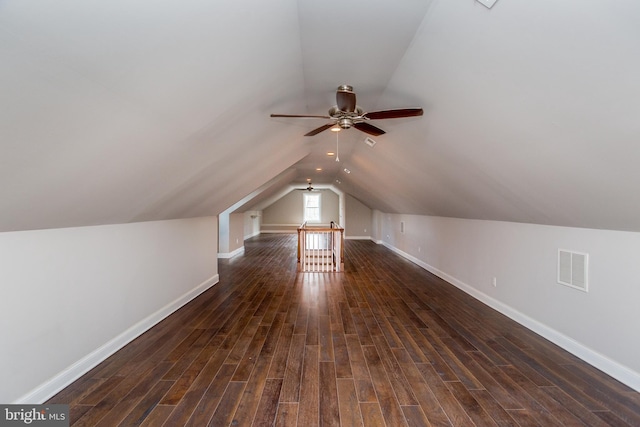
(305, 216)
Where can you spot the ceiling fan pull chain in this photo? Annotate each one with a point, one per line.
(337, 147)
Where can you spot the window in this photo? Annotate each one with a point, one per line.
(311, 207)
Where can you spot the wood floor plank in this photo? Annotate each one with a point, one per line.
(384, 390)
(158, 416)
(308, 410)
(341, 355)
(106, 406)
(287, 415)
(279, 362)
(347, 320)
(201, 415)
(474, 410)
(399, 383)
(493, 408)
(371, 414)
(350, 415)
(250, 356)
(325, 339)
(131, 399)
(253, 392)
(328, 394)
(361, 375)
(293, 371)
(425, 397)
(450, 405)
(224, 413)
(186, 380)
(198, 388)
(415, 417)
(268, 406)
(384, 343)
(142, 410)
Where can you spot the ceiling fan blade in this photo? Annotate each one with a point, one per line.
(393, 114)
(300, 116)
(318, 130)
(367, 128)
(346, 100)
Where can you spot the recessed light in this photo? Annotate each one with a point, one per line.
(331, 153)
(347, 170)
(318, 169)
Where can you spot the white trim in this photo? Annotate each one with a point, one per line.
(257, 233)
(357, 237)
(305, 198)
(226, 255)
(279, 231)
(600, 361)
(585, 270)
(61, 380)
(279, 225)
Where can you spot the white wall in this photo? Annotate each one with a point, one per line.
(71, 297)
(359, 219)
(288, 211)
(600, 326)
(223, 233)
(230, 234)
(252, 223)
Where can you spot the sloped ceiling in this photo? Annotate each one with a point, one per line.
(123, 111)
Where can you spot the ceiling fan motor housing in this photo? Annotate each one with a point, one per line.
(345, 123)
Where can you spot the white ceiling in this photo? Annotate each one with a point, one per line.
(124, 111)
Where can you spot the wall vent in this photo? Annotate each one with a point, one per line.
(573, 269)
(370, 142)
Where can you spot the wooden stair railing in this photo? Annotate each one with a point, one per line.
(320, 248)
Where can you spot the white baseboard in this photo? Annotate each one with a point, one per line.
(238, 251)
(278, 231)
(594, 358)
(52, 386)
(357, 237)
(257, 233)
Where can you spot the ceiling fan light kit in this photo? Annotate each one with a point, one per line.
(347, 114)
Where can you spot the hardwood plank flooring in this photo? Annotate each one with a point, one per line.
(383, 343)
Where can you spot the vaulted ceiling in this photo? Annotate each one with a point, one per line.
(121, 111)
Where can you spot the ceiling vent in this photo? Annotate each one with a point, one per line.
(370, 142)
(487, 3)
(573, 269)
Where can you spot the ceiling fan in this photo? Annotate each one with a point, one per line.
(308, 188)
(346, 114)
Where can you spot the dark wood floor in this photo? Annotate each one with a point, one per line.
(384, 343)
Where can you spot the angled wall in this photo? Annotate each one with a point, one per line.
(599, 326)
(359, 219)
(73, 296)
